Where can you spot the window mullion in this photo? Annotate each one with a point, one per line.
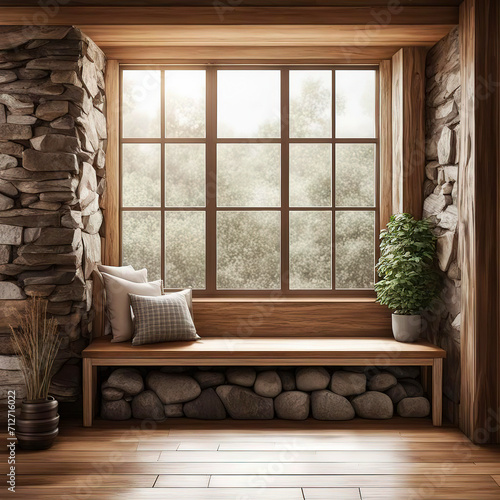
(211, 182)
(285, 199)
(162, 173)
(334, 203)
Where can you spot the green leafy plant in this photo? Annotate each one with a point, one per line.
(409, 280)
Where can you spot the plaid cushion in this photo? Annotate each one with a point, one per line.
(162, 319)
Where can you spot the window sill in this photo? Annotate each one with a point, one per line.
(285, 300)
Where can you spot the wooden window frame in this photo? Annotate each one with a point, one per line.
(211, 141)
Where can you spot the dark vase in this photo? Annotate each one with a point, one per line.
(36, 426)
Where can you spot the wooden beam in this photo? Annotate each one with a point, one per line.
(111, 253)
(265, 35)
(230, 54)
(408, 130)
(385, 73)
(224, 13)
(479, 220)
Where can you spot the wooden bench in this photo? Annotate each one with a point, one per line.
(277, 350)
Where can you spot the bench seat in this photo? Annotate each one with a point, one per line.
(263, 351)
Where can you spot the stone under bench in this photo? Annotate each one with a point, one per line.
(214, 393)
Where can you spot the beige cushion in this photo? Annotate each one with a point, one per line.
(125, 272)
(118, 303)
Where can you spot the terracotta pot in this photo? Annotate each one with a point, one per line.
(406, 327)
(36, 427)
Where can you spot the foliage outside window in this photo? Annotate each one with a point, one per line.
(250, 179)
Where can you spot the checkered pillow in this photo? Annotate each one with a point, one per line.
(161, 319)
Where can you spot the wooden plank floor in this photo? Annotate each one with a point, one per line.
(182, 459)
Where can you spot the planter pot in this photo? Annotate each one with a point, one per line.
(406, 328)
(36, 427)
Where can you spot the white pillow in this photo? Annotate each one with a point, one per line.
(118, 303)
(125, 272)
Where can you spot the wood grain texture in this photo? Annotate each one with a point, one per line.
(392, 459)
(385, 73)
(437, 391)
(226, 14)
(408, 130)
(479, 221)
(207, 54)
(300, 318)
(366, 351)
(111, 251)
(264, 35)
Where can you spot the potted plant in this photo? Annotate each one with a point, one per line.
(409, 279)
(36, 342)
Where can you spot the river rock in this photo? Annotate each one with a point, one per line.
(115, 410)
(206, 406)
(404, 371)
(373, 405)
(5, 202)
(412, 387)
(414, 407)
(111, 393)
(326, 405)
(267, 384)
(7, 162)
(15, 132)
(128, 380)
(241, 375)
(348, 383)
(209, 378)
(243, 403)
(397, 393)
(312, 378)
(173, 410)
(147, 406)
(173, 387)
(287, 380)
(382, 382)
(11, 291)
(292, 405)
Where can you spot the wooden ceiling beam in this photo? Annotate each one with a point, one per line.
(269, 35)
(250, 55)
(225, 14)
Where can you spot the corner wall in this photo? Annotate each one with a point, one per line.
(52, 176)
(443, 94)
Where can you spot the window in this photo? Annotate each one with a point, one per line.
(250, 180)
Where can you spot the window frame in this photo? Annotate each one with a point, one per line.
(211, 141)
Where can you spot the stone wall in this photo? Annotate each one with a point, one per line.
(263, 393)
(443, 94)
(52, 141)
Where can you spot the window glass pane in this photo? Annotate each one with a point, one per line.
(141, 242)
(248, 250)
(310, 175)
(185, 103)
(355, 103)
(185, 175)
(355, 175)
(310, 250)
(248, 175)
(141, 103)
(248, 103)
(311, 103)
(354, 249)
(141, 175)
(185, 250)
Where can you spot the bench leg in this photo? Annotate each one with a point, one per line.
(437, 392)
(89, 391)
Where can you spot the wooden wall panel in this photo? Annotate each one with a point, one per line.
(479, 176)
(385, 142)
(111, 248)
(223, 13)
(341, 318)
(408, 126)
